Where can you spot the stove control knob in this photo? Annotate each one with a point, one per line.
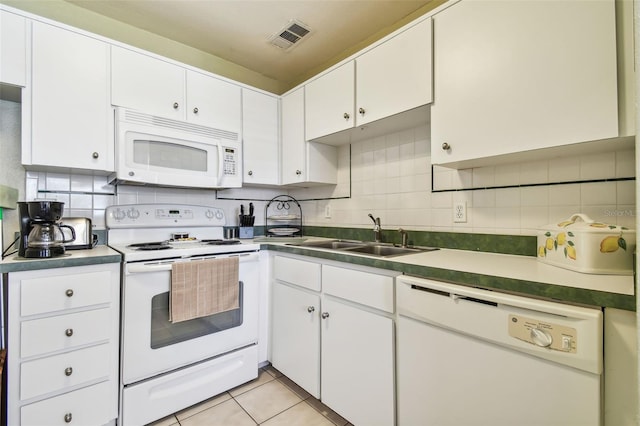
(208, 214)
(119, 214)
(219, 214)
(133, 213)
(541, 337)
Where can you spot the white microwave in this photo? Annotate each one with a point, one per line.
(161, 151)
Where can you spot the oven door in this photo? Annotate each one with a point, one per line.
(153, 345)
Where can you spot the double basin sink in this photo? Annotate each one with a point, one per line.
(363, 247)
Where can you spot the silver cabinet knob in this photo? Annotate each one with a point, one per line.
(95, 155)
(195, 110)
(69, 292)
(298, 172)
(68, 417)
(68, 371)
(361, 111)
(346, 116)
(325, 315)
(176, 105)
(446, 146)
(250, 172)
(311, 309)
(68, 332)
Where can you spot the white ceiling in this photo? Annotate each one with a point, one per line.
(239, 30)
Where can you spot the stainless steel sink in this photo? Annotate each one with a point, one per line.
(363, 247)
(383, 250)
(333, 244)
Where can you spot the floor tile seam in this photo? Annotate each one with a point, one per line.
(243, 409)
(283, 411)
(321, 413)
(253, 388)
(292, 390)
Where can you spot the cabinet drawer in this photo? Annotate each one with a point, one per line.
(89, 406)
(49, 374)
(298, 272)
(64, 331)
(55, 293)
(361, 287)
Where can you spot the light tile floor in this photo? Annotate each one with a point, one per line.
(271, 400)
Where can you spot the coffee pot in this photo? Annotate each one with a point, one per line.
(41, 235)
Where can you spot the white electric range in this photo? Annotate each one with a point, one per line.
(169, 366)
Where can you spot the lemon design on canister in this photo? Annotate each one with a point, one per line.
(561, 238)
(550, 245)
(570, 252)
(541, 251)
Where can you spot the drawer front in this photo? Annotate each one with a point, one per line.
(57, 372)
(55, 293)
(361, 287)
(93, 405)
(298, 272)
(64, 332)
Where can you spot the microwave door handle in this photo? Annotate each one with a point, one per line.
(220, 164)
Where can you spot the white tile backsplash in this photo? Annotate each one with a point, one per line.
(516, 209)
(391, 177)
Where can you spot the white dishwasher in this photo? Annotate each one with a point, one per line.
(467, 356)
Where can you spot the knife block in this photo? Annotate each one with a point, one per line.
(246, 232)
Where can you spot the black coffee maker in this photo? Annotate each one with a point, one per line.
(40, 233)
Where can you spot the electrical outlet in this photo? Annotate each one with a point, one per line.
(460, 212)
(327, 212)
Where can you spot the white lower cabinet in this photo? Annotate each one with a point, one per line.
(357, 363)
(336, 339)
(63, 345)
(296, 336)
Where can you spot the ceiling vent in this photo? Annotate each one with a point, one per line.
(290, 36)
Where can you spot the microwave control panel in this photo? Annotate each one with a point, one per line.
(230, 161)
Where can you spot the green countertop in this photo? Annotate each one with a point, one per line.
(96, 255)
(521, 275)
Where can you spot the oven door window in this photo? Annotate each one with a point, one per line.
(169, 155)
(165, 333)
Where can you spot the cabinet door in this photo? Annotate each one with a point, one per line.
(213, 102)
(522, 75)
(295, 339)
(357, 364)
(260, 138)
(13, 48)
(329, 102)
(71, 119)
(395, 76)
(147, 84)
(293, 142)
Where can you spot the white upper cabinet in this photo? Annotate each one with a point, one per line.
(391, 78)
(260, 124)
(161, 88)
(213, 102)
(395, 76)
(303, 163)
(147, 84)
(13, 49)
(71, 119)
(330, 102)
(521, 75)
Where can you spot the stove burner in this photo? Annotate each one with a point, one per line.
(159, 245)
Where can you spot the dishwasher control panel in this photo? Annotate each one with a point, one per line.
(544, 334)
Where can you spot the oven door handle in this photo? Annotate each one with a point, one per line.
(135, 268)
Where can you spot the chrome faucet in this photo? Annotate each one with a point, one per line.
(405, 237)
(377, 231)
